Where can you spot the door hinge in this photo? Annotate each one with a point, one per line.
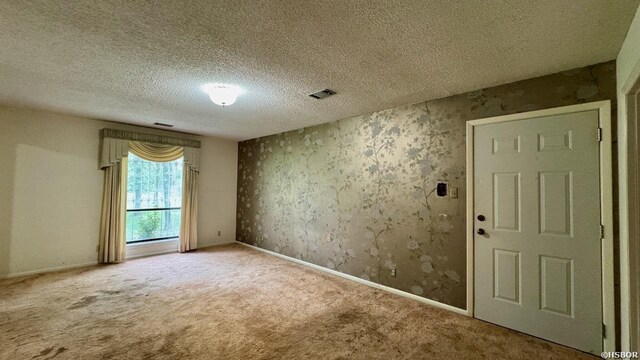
(604, 331)
(599, 134)
(601, 231)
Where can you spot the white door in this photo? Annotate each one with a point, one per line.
(537, 221)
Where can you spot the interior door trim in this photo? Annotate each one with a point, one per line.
(606, 205)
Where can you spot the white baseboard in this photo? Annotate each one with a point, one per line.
(46, 270)
(226, 242)
(364, 282)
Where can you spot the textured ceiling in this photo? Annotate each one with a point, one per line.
(141, 61)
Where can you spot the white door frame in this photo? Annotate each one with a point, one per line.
(606, 201)
(629, 197)
(628, 131)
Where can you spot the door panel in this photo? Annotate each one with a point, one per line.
(555, 141)
(556, 213)
(538, 264)
(506, 201)
(507, 275)
(556, 284)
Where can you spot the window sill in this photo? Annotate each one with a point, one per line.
(151, 248)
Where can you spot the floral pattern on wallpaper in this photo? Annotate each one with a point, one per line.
(358, 195)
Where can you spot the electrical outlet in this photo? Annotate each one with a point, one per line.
(219, 233)
(453, 192)
(393, 272)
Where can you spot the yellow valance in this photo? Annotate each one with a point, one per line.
(156, 152)
(116, 144)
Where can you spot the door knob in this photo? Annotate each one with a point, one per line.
(481, 231)
(481, 218)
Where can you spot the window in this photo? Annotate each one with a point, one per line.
(154, 197)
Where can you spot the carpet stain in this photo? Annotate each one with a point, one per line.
(110, 292)
(44, 352)
(85, 301)
(48, 350)
(58, 352)
(172, 338)
(349, 317)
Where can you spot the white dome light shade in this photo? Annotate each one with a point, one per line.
(222, 94)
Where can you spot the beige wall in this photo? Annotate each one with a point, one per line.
(628, 71)
(217, 191)
(51, 190)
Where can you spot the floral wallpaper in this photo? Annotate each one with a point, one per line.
(358, 195)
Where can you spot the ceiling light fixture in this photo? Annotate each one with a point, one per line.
(222, 94)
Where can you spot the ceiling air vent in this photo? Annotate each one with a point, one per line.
(322, 94)
(161, 124)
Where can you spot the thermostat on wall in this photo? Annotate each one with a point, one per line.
(441, 189)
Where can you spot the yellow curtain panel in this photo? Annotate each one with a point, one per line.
(112, 245)
(189, 222)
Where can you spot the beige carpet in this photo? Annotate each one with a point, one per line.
(232, 302)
